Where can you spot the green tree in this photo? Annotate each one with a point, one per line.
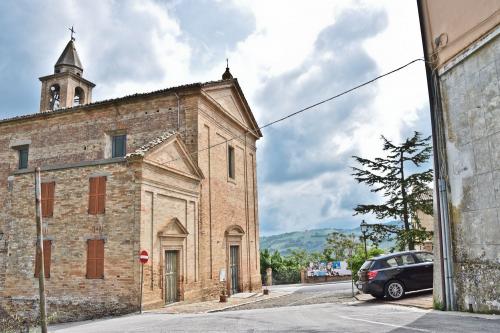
(405, 193)
(337, 246)
(356, 261)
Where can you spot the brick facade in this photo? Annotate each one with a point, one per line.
(162, 196)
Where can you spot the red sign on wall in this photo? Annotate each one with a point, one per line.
(144, 257)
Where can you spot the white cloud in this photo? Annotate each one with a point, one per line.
(129, 46)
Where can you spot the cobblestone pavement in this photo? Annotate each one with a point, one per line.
(215, 305)
(303, 295)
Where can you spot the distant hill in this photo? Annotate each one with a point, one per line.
(309, 240)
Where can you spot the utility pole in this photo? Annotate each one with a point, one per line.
(39, 250)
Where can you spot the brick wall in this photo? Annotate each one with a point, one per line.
(81, 136)
(68, 290)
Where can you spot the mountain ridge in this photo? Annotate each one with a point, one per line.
(311, 240)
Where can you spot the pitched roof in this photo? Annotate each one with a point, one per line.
(169, 135)
(140, 152)
(138, 96)
(69, 57)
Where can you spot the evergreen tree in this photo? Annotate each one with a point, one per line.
(405, 193)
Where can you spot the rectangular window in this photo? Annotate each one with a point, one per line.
(48, 199)
(95, 259)
(47, 247)
(97, 195)
(119, 145)
(230, 162)
(23, 157)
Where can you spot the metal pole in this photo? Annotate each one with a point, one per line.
(142, 276)
(364, 240)
(39, 250)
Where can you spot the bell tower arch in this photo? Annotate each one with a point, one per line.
(66, 87)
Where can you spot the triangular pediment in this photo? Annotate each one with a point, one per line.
(174, 228)
(230, 99)
(170, 153)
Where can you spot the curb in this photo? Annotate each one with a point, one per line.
(251, 302)
(374, 300)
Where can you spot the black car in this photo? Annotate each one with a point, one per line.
(394, 274)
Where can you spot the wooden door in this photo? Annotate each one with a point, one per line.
(234, 268)
(171, 276)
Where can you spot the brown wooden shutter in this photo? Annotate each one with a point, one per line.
(95, 259)
(99, 250)
(47, 249)
(97, 195)
(101, 195)
(48, 190)
(93, 195)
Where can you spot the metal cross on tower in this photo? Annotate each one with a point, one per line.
(72, 32)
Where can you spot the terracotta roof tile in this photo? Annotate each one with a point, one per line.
(140, 152)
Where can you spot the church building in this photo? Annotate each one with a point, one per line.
(172, 172)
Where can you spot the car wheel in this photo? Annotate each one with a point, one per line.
(394, 290)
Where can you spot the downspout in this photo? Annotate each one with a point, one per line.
(439, 183)
(178, 111)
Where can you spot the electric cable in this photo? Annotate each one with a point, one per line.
(302, 110)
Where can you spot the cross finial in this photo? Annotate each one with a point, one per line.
(72, 32)
(227, 63)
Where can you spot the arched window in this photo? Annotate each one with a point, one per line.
(54, 97)
(79, 96)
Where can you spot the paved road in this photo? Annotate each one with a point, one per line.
(336, 317)
(303, 295)
(294, 313)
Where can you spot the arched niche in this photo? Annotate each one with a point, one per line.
(54, 97)
(79, 97)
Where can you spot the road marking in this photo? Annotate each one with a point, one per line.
(385, 324)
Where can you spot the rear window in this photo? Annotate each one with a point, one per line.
(385, 263)
(425, 257)
(366, 265)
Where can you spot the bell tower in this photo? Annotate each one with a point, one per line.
(66, 87)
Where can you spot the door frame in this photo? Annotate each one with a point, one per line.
(180, 271)
(177, 280)
(173, 238)
(238, 269)
(234, 235)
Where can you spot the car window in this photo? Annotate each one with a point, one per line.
(366, 265)
(425, 257)
(380, 264)
(407, 259)
(391, 262)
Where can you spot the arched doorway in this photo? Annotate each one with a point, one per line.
(233, 235)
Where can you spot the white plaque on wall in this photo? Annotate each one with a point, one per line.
(222, 274)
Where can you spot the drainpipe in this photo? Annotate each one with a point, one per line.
(441, 200)
(178, 111)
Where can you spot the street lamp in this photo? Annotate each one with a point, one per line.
(364, 228)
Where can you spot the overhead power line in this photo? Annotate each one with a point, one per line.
(303, 109)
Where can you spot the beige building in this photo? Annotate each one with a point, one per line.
(172, 172)
(462, 46)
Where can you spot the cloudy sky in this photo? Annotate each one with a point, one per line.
(286, 55)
